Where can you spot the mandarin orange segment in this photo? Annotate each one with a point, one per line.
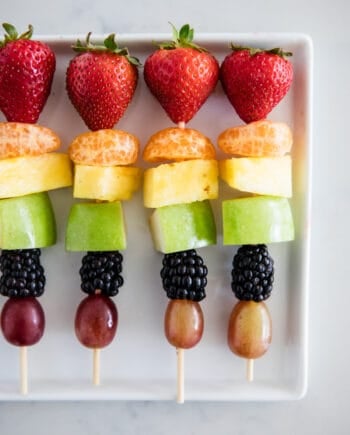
(105, 147)
(257, 139)
(21, 139)
(177, 144)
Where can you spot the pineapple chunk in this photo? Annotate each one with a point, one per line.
(259, 175)
(180, 182)
(106, 183)
(32, 174)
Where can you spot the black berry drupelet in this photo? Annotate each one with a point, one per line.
(22, 273)
(184, 275)
(252, 273)
(101, 271)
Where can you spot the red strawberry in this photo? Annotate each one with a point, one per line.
(255, 80)
(26, 72)
(181, 75)
(101, 81)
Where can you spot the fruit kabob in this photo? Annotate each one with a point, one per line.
(101, 81)
(181, 75)
(255, 81)
(29, 167)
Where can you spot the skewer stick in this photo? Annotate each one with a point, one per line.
(250, 370)
(180, 375)
(181, 124)
(23, 362)
(96, 356)
(96, 367)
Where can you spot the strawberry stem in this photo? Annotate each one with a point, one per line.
(11, 33)
(252, 51)
(109, 45)
(182, 38)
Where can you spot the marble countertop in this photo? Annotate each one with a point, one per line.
(324, 409)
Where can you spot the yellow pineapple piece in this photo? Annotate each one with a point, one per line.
(31, 174)
(180, 182)
(260, 175)
(106, 183)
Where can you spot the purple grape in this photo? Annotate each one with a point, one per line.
(22, 321)
(96, 321)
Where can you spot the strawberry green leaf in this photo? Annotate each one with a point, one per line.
(11, 31)
(79, 46)
(109, 46)
(252, 51)
(184, 32)
(133, 60)
(28, 34)
(110, 43)
(174, 31)
(280, 52)
(12, 34)
(181, 39)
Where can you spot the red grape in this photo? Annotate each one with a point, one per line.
(22, 321)
(250, 329)
(96, 321)
(183, 323)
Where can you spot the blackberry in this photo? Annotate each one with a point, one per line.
(22, 273)
(101, 270)
(252, 273)
(184, 275)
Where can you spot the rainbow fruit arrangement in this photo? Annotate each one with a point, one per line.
(178, 190)
(101, 81)
(29, 167)
(255, 81)
(181, 75)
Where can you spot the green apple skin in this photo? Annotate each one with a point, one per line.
(181, 227)
(257, 219)
(96, 227)
(27, 222)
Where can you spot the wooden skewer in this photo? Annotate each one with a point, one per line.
(96, 354)
(23, 362)
(96, 367)
(180, 376)
(180, 352)
(250, 369)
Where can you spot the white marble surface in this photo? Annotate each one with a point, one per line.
(324, 410)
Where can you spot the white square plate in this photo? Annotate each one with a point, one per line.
(140, 364)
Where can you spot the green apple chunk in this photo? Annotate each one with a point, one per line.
(183, 226)
(259, 219)
(96, 227)
(27, 222)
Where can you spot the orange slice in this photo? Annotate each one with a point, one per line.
(257, 139)
(20, 139)
(104, 148)
(178, 144)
